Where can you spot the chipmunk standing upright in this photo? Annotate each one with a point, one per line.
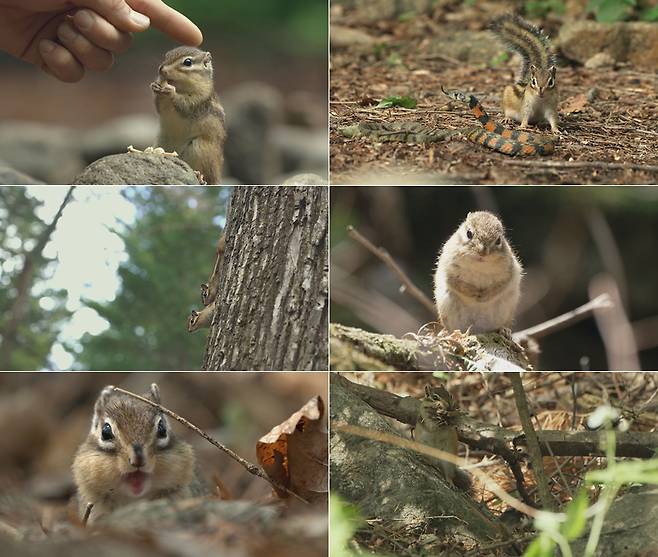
(192, 120)
(130, 453)
(477, 283)
(534, 97)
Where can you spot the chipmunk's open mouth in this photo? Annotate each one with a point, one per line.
(137, 482)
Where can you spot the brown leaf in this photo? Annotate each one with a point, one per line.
(294, 453)
(575, 103)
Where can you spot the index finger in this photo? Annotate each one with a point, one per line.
(169, 21)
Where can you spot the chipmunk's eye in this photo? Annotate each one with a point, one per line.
(499, 241)
(469, 233)
(162, 429)
(106, 432)
(551, 83)
(533, 82)
(187, 62)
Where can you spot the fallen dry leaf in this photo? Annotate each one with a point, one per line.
(575, 104)
(295, 452)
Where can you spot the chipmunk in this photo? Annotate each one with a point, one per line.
(434, 429)
(200, 319)
(209, 289)
(534, 97)
(477, 282)
(130, 453)
(192, 120)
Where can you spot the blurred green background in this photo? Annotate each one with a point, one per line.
(565, 238)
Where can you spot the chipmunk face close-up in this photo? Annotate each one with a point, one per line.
(541, 81)
(130, 453)
(482, 236)
(187, 69)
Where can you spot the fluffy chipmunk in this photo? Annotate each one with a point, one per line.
(130, 453)
(200, 319)
(534, 97)
(477, 283)
(192, 120)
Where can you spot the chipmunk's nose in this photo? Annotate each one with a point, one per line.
(137, 457)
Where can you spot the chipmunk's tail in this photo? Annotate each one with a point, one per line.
(530, 42)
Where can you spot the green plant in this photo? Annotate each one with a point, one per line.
(344, 520)
(390, 102)
(609, 11)
(541, 8)
(558, 529)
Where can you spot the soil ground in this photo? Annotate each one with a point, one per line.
(608, 117)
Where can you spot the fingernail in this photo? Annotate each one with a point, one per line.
(67, 33)
(83, 20)
(140, 19)
(47, 47)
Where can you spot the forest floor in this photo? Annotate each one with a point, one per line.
(560, 402)
(608, 117)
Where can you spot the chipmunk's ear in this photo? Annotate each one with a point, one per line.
(551, 71)
(207, 59)
(101, 403)
(155, 393)
(533, 69)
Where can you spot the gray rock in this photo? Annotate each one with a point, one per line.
(343, 37)
(634, 42)
(304, 180)
(370, 11)
(49, 154)
(600, 60)
(138, 130)
(138, 169)
(472, 47)
(12, 177)
(252, 112)
(302, 149)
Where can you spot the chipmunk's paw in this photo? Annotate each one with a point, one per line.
(506, 332)
(200, 178)
(162, 88)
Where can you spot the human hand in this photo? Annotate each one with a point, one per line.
(68, 37)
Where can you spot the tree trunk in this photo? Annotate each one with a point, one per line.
(272, 305)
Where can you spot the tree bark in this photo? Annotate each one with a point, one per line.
(272, 306)
(357, 350)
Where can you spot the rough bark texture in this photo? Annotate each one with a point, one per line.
(272, 305)
(400, 488)
(356, 350)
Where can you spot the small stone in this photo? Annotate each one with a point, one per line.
(600, 60)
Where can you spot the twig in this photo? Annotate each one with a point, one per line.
(488, 483)
(584, 164)
(251, 468)
(85, 518)
(566, 319)
(534, 451)
(386, 258)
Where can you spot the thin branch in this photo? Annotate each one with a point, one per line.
(85, 518)
(398, 441)
(533, 443)
(566, 319)
(386, 258)
(583, 164)
(251, 468)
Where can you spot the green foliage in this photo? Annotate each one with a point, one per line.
(650, 14)
(171, 249)
(344, 520)
(45, 310)
(557, 529)
(541, 8)
(609, 11)
(296, 25)
(390, 102)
